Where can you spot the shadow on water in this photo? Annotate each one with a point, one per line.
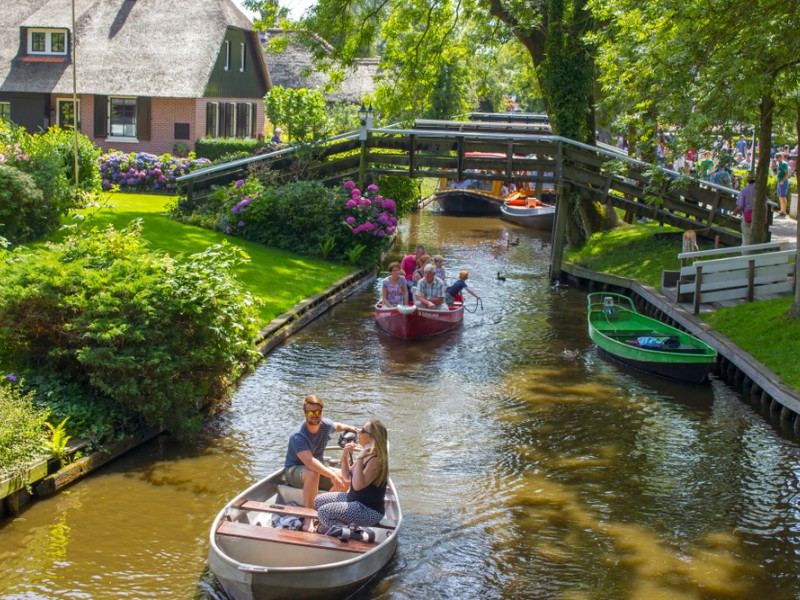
(523, 472)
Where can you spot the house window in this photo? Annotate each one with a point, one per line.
(227, 55)
(229, 129)
(5, 110)
(122, 117)
(253, 120)
(243, 63)
(66, 113)
(212, 120)
(47, 41)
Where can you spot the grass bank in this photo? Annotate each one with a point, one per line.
(278, 278)
(642, 252)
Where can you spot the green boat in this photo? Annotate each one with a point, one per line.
(644, 343)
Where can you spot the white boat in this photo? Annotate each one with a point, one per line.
(254, 560)
(528, 212)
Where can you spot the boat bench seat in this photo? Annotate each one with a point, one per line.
(295, 511)
(289, 536)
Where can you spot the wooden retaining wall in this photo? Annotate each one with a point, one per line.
(763, 389)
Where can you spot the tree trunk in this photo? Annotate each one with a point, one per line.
(766, 111)
(794, 311)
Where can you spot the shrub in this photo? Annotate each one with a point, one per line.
(22, 217)
(140, 171)
(215, 148)
(22, 426)
(145, 337)
(405, 191)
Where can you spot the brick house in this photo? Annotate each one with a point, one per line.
(150, 73)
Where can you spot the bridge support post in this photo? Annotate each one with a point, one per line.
(560, 225)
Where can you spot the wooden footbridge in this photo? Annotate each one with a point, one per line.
(492, 149)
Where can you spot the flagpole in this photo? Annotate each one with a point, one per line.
(75, 111)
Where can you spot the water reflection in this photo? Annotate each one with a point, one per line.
(523, 474)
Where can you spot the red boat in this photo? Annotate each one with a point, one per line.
(410, 322)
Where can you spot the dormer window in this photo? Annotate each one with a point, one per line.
(47, 42)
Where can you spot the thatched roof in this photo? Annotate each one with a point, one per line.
(125, 47)
(286, 68)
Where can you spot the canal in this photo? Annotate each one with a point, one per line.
(523, 473)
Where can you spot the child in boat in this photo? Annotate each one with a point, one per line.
(453, 293)
(394, 291)
(438, 262)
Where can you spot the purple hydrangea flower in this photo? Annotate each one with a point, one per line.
(238, 184)
(11, 377)
(240, 223)
(351, 203)
(372, 188)
(350, 220)
(349, 185)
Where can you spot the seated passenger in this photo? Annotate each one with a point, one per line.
(438, 262)
(363, 504)
(394, 291)
(453, 293)
(303, 467)
(430, 290)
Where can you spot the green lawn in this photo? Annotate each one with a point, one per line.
(278, 278)
(637, 252)
(763, 330)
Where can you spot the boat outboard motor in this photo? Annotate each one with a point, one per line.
(347, 437)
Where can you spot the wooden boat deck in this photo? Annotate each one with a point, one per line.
(290, 536)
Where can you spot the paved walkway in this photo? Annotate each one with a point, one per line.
(784, 229)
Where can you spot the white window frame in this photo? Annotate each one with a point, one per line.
(48, 42)
(5, 110)
(243, 59)
(227, 55)
(122, 138)
(77, 112)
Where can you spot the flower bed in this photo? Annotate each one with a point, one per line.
(140, 171)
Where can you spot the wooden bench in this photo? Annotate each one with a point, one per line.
(289, 536)
(294, 511)
(761, 269)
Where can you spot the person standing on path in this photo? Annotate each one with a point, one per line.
(782, 171)
(744, 206)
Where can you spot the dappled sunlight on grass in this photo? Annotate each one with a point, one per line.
(278, 278)
(764, 330)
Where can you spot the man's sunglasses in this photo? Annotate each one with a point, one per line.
(314, 413)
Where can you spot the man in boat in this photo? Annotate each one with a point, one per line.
(430, 289)
(303, 467)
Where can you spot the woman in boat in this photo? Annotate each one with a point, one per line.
(394, 291)
(419, 273)
(363, 503)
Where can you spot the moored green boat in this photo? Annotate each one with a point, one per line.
(644, 343)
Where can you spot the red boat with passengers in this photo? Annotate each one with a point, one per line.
(410, 322)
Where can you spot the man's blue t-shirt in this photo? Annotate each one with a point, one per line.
(302, 439)
(457, 287)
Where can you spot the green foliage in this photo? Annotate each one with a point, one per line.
(403, 190)
(144, 336)
(300, 112)
(180, 149)
(340, 117)
(620, 252)
(354, 254)
(22, 432)
(326, 247)
(48, 158)
(228, 148)
(22, 217)
(764, 331)
(57, 444)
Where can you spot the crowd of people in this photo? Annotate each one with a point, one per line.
(421, 280)
(719, 163)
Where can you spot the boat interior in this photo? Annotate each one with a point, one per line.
(250, 533)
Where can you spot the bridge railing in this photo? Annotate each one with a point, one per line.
(464, 150)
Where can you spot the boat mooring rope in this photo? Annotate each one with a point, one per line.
(478, 302)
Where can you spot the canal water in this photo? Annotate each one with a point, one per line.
(523, 473)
